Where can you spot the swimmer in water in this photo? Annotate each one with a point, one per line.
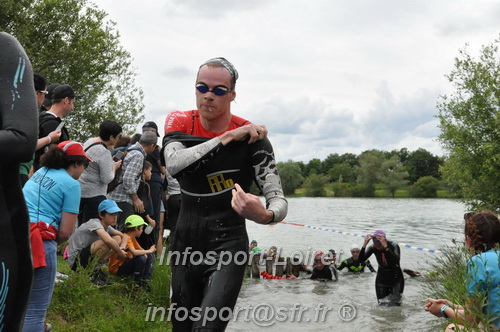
(353, 264)
(389, 283)
(323, 270)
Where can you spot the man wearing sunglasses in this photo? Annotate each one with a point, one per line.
(216, 156)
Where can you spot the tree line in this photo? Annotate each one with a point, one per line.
(351, 175)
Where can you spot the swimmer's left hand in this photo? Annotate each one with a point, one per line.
(255, 132)
(249, 206)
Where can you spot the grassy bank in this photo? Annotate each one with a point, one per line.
(448, 279)
(79, 305)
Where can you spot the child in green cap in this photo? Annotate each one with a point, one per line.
(139, 261)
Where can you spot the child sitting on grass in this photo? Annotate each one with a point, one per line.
(139, 261)
(97, 239)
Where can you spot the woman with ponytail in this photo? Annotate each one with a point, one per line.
(482, 237)
(53, 198)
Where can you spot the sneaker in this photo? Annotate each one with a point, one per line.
(142, 285)
(47, 327)
(101, 279)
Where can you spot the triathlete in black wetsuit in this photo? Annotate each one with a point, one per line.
(354, 264)
(18, 136)
(215, 172)
(389, 284)
(322, 271)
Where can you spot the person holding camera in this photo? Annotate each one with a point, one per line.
(101, 171)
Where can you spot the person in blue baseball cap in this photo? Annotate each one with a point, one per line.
(97, 239)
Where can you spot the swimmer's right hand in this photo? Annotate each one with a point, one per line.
(368, 238)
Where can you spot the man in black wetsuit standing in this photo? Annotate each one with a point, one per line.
(389, 283)
(216, 156)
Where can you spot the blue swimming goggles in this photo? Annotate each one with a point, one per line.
(218, 90)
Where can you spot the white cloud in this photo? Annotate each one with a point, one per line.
(323, 76)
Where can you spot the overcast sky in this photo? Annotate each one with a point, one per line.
(324, 76)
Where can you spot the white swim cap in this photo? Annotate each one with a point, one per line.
(354, 246)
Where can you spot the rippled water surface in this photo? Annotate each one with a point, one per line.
(424, 223)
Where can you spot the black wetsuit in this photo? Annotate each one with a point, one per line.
(208, 223)
(355, 266)
(18, 123)
(328, 272)
(389, 284)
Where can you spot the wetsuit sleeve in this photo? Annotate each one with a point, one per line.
(342, 265)
(393, 254)
(268, 179)
(179, 159)
(364, 254)
(18, 108)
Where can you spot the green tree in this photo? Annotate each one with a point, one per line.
(70, 41)
(314, 185)
(422, 163)
(402, 153)
(291, 176)
(349, 158)
(393, 174)
(470, 127)
(330, 161)
(313, 166)
(344, 170)
(426, 186)
(369, 169)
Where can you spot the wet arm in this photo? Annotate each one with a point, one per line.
(364, 254)
(342, 265)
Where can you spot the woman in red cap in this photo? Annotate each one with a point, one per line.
(389, 284)
(53, 198)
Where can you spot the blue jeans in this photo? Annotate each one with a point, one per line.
(140, 266)
(41, 292)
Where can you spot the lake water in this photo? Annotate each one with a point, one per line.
(427, 223)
